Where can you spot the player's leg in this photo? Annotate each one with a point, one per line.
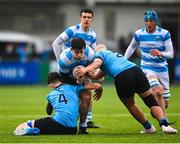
(143, 89)
(85, 98)
(164, 80)
(138, 114)
(26, 128)
(125, 88)
(90, 123)
(48, 125)
(156, 87)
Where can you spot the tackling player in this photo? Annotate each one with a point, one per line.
(128, 79)
(64, 101)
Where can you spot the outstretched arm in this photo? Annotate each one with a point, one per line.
(131, 48)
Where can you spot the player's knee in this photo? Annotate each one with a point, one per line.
(85, 96)
(158, 91)
(150, 101)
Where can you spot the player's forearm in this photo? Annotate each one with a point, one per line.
(131, 48)
(57, 46)
(169, 53)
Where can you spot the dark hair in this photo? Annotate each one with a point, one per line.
(78, 44)
(53, 77)
(86, 11)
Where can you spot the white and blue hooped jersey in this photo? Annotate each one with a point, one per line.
(65, 102)
(77, 32)
(67, 62)
(149, 41)
(113, 63)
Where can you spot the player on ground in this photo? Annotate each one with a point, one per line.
(128, 79)
(82, 30)
(156, 47)
(64, 101)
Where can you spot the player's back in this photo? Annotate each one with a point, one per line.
(65, 102)
(113, 63)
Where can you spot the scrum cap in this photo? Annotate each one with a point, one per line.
(151, 14)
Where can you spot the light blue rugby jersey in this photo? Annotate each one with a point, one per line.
(65, 102)
(149, 41)
(77, 32)
(67, 62)
(113, 63)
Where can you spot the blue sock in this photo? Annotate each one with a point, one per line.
(29, 123)
(147, 125)
(163, 121)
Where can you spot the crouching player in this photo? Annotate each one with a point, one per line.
(64, 101)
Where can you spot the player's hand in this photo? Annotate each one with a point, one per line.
(80, 72)
(156, 52)
(90, 72)
(98, 94)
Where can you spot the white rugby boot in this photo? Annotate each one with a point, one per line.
(168, 129)
(149, 131)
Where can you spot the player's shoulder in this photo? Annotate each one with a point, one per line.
(162, 30)
(92, 32)
(66, 53)
(74, 27)
(89, 50)
(141, 30)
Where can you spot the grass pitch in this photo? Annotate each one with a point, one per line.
(21, 103)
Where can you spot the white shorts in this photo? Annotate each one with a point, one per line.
(159, 79)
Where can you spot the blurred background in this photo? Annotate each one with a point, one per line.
(28, 28)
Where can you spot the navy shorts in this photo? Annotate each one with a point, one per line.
(131, 81)
(49, 126)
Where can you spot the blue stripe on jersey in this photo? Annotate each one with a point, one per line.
(86, 52)
(78, 26)
(156, 69)
(69, 32)
(167, 36)
(84, 36)
(136, 38)
(68, 44)
(69, 55)
(155, 59)
(147, 50)
(150, 38)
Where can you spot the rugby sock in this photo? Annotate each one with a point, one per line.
(83, 124)
(147, 125)
(163, 121)
(29, 123)
(89, 116)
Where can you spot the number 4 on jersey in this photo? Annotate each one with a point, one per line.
(62, 98)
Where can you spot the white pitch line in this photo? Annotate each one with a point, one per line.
(95, 115)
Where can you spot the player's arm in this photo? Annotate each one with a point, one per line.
(49, 108)
(131, 48)
(97, 89)
(57, 46)
(91, 69)
(169, 53)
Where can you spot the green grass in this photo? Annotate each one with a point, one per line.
(20, 103)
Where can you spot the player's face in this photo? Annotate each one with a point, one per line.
(150, 25)
(78, 54)
(86, 20)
